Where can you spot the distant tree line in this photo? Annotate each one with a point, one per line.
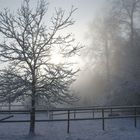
(115, 51)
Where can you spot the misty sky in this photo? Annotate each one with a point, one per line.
(87, 10)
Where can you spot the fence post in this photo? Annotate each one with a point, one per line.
(103, 120)
(93, 113)
(52, 115)
(68, 127)
(111, 111)
(135, 118)
(74, 114)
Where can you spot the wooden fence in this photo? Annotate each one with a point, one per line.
(72, 114)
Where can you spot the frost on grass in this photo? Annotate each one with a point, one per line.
(118, 129)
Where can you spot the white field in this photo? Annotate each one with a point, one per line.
(115, 129)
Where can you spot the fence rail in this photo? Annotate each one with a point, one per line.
(111, 112)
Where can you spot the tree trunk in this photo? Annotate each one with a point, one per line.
(32, 114)
(132, 32)
(9, 104)
(32, 117)
(107, 62)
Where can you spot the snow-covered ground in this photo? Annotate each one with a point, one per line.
(115, 129)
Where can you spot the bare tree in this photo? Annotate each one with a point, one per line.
(128, 13)
(103, 32)
(26, 47)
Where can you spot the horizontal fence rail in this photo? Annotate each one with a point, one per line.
(71, 114)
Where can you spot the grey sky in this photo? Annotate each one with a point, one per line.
(87, 9)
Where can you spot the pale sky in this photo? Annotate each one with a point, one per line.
(87, 10)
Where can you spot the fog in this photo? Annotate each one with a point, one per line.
(112, 69)
(108, 63)
(63, 61)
